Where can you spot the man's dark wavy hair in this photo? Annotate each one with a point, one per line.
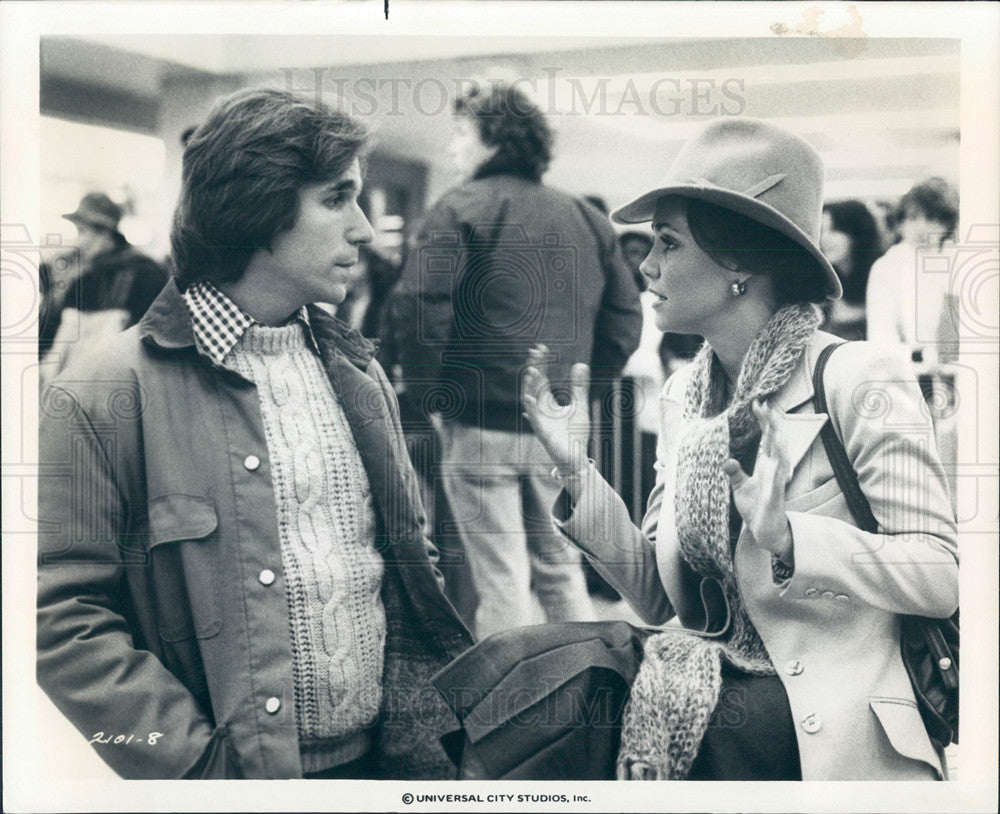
(507, 119)
(243, 169)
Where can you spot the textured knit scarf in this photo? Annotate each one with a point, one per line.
(677, 686)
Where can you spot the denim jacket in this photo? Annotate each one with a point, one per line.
(156, 620)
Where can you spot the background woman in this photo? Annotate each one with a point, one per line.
(851, 242)
(747, 537)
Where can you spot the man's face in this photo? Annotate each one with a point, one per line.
(90, 242)
(634, 251)
(311, 262)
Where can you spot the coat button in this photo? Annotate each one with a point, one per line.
(843, 597)
(272, 705)
(251, 462)
(812, 591)
(812, 723)
(266, 576)
(794, 667)
(828, 594)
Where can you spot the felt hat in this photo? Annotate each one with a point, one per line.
(98, 210)
(756, 169)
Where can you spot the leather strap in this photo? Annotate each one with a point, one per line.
(843, 470)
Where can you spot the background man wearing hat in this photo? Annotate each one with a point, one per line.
(115, 286)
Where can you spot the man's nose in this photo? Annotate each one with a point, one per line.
(362, 231)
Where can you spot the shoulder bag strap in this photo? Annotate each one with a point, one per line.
(843, 470)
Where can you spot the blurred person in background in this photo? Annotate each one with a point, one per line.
(908, 308)
(501, 262)
(371, 281)
(115, 286)
(912, 309)
(851, 242)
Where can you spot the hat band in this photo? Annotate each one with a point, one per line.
(753, 192)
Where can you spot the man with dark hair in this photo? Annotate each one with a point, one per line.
(500, 263)
(233, 579)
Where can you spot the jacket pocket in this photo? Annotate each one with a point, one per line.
(814, 498)
(184, 562)
(902, 724)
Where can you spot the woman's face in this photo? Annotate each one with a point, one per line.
(466, 149)
(834, 244)
(692, 289)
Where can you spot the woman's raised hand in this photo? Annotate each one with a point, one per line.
(760, 497)
(562, 429)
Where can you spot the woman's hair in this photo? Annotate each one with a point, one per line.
(738, 242)
(936, 200)
(242, 172)
(508, 120)
(856, 221)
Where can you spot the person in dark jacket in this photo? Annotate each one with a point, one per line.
(500, 263)
(233, 578)
(116, 284)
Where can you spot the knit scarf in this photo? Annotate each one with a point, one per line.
(677, 687)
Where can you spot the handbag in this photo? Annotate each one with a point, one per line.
(929, 646)
(543, 702)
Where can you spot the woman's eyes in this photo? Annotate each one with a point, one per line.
(667, 242)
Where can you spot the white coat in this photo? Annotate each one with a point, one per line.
(832, 629)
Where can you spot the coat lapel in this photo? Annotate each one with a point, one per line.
(799, 429)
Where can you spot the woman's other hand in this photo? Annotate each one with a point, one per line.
(760, 497)
(562, 429)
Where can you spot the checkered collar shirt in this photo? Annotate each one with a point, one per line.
(218, 322)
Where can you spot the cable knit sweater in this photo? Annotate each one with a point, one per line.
(326, 524)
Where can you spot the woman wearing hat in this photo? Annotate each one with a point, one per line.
(790, 666)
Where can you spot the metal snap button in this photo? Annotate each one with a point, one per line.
(251, 462)
(272, 705)
(266, 576)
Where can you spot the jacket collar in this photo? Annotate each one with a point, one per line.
(167, 325)
(799, 387)
(798, 428)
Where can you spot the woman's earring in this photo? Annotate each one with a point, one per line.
(738, 289)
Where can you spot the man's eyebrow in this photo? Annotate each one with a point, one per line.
(343, 185)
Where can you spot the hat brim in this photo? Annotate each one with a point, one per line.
(642, 208)
(77, 219)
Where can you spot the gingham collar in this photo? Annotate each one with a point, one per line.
(218, 322)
